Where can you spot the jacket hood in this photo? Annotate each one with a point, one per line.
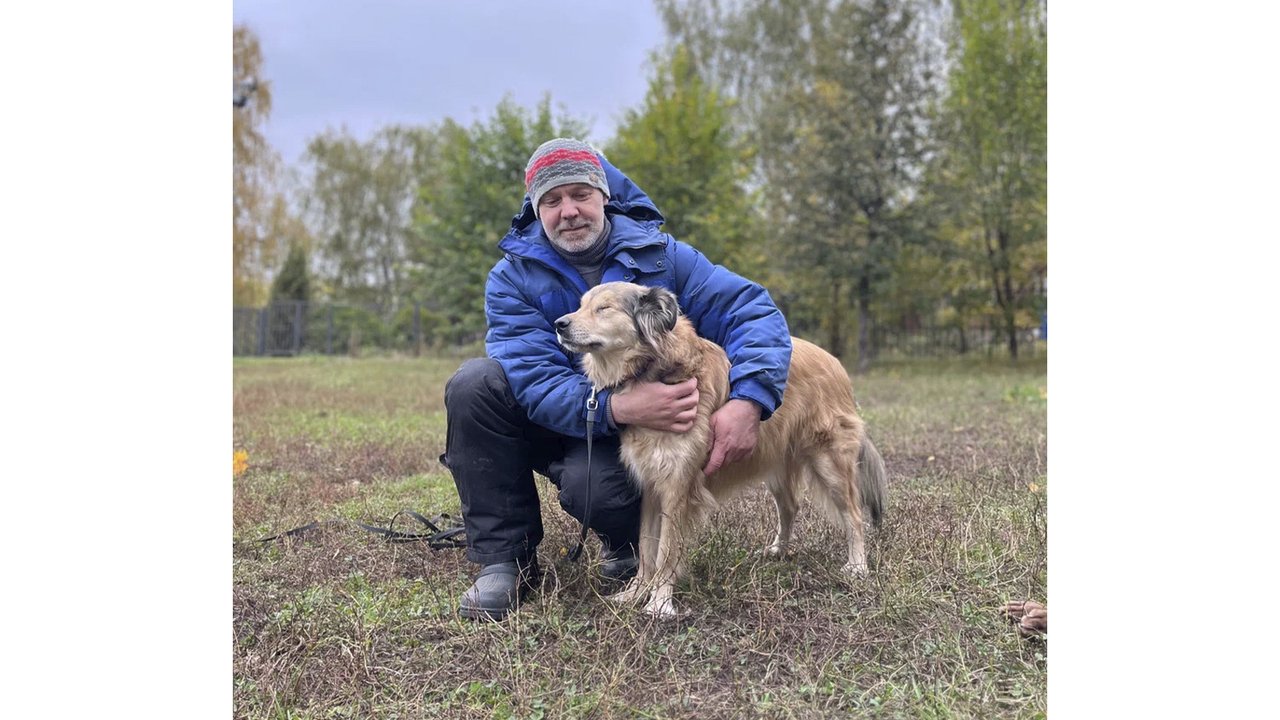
(625, 198)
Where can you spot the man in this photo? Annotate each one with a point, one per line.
(524, 407)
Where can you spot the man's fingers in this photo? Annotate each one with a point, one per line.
(717, 452)
(690, 396)
(713, 464)
(682, 389)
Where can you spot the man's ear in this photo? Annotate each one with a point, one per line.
(655, 313)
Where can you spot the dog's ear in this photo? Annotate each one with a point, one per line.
(655, 313)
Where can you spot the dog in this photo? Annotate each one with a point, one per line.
(629, 333)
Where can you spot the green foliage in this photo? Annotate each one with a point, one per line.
(294, 280)
(360, 201)
(835, 95)
(815, 146)
(681, 148)
(992, 173)
(467, 207)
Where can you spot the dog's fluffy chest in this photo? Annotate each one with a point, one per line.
(654, 455)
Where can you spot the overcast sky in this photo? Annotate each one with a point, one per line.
(368, 63)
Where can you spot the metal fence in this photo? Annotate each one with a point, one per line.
(977, 339)
(295, 328)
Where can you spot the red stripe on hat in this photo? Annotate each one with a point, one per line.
(556, 156)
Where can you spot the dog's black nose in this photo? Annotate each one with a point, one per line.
(563, 323)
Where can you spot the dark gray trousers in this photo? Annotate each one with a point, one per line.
(493, 449)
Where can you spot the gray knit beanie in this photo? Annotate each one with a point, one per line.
(562, 161)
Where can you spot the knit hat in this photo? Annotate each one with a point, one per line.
(562, 161)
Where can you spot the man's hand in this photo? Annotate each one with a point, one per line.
(656, 405)
(735, 429)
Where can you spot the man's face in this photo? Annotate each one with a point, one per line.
(572, 215)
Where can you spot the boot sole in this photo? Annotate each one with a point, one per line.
(480, 613)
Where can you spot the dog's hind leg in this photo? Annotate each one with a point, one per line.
(782, 486)
(836, 478)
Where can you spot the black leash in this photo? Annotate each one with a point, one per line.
(592, 405)
(450, 537)
(454, 537)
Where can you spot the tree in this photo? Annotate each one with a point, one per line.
(467, 208)
(255, 166)
(293, 282)
(834, 93)
(995, 165)
(360, 203)
(681, 147)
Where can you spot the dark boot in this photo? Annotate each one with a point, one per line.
(618, 566)
(498, 589)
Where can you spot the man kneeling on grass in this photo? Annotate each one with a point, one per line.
(524, 407)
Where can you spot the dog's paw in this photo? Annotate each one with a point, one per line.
(663, 609)
(854, 570)
(775, 551)
(1031, 617)
(631, 594)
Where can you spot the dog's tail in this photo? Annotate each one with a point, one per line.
(873, 480)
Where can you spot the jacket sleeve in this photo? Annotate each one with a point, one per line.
(541, 374)
(739, 316)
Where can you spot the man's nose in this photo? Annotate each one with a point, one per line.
(568, 209)
(563, 323)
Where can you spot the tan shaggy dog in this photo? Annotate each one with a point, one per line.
(629, 333)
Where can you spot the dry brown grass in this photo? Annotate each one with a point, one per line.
(340, 624)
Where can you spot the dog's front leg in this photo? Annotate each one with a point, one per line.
(650, 517)
(633, 593)
(661, 605)
(665, 567)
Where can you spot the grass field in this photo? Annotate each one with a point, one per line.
(338, 624)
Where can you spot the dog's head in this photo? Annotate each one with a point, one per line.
(618, 316)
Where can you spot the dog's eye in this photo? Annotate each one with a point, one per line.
(602, 308)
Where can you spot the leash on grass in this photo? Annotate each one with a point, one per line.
(452, 536)
(592, 406)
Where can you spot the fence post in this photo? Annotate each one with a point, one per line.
(297, 328)
(877, 340)
(328, 336)
(263, 318)
(417, 328)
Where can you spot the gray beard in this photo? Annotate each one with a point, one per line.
(589, 262)
(584, 246)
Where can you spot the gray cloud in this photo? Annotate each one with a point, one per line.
(369, 63)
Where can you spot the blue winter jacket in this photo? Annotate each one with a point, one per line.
(533, 285)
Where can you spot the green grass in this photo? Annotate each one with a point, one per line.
(338, 624)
